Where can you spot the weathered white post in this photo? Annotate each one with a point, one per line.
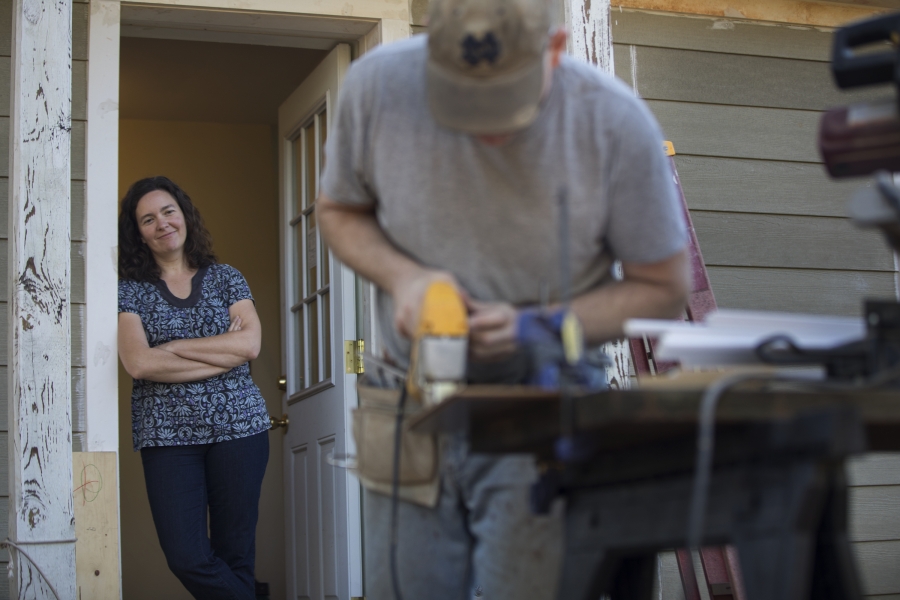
(590, 39)
(589, 32)
(41, 522)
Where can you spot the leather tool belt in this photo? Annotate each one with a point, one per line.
(374, 426)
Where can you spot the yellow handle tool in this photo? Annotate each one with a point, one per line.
(440, 346)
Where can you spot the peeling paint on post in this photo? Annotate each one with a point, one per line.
(41, 516)
(590, 39)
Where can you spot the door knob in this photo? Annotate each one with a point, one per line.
(276, 422)
(282, 383)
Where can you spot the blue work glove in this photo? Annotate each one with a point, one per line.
(539, 333)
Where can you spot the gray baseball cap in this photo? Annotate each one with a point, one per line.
(486, 63)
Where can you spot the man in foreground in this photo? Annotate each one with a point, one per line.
(446, 160)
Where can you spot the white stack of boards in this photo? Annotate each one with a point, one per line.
(730, 337)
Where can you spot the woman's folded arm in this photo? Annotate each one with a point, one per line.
(153, 364)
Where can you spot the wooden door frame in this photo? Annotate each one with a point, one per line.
(381, 21)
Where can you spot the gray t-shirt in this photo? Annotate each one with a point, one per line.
(489, 214)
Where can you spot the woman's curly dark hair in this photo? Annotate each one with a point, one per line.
(136, 262)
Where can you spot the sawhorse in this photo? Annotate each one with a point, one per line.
(720, 564)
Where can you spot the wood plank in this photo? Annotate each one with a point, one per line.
(588, 22)
(763, 186)
(590, 37)
(4, 146)
(873, 513)
(77, 148)
(77, 207)
(78, 400)
(820, 13)
(40, 334)
(789, 241)
(738, 131)
(418, 12)
(4, 335)
(4, 465)
(96, 524)
(79, 403)
(874, 468)
(4, 394)
(79, 353)
(80, 18)
(4, 89)
(734, 79)
(4, 524)
(77, 289)
(78, 350)
(720, 35)
(799, 290)
(79, 89)
(669, 578)
(878, 566)
(5, 27)
(77, 278)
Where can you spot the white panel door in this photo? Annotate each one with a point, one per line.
(322, 501)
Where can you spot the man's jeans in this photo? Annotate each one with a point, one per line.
(225, 478)
(481, 540)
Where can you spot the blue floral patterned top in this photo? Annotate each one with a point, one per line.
(217, 409)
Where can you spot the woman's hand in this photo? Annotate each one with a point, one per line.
(235, 324)
(492, 329)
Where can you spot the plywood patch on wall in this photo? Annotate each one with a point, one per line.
(96, 524)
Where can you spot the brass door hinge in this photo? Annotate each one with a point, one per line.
(353, 356)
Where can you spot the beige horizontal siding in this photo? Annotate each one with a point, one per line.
(762, 186)
(719, 35)
(803, 290)
(878, 565)
(876, 468)
(739, 131)
(742, 102)
(789, 242)
(734, 79)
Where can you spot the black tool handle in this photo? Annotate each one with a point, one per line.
(853, 69)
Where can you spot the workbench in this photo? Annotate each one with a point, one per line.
(778, 491)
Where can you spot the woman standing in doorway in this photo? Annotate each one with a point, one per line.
(187, 329)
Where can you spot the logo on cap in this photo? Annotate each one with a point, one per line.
(475, 50)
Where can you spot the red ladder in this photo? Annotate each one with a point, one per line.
(720, 564)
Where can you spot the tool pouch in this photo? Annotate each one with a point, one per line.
(374, 426)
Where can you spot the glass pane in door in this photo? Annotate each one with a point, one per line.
(312, 303)
(312, 319)
(326, 334)
(323, 134)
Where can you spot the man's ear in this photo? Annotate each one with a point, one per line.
(557, 45)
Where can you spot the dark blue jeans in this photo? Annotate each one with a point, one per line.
(223, 480)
